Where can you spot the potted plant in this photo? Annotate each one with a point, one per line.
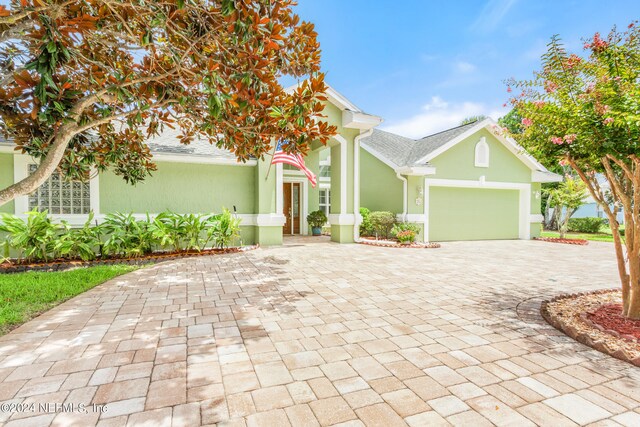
(316, 220)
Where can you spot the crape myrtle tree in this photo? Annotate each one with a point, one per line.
(84, 83)
(584, 111)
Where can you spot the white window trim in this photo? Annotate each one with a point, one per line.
(482, 145)
(21, 164)
(524, 208)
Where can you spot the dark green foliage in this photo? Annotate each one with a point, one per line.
(316, 218)
(382, 222)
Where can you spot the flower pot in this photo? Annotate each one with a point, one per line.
(316, 231)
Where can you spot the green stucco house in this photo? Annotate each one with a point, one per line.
(464, 183)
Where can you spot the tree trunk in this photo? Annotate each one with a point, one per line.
(43, 172)
(59, 144)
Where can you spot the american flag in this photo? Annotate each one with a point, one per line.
(296, 160)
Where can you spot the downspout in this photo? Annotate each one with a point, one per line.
(405, 196)
(356, 183)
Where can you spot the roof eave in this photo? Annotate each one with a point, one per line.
(545, 176)
(359, 120)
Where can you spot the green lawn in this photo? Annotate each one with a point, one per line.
(603, 236)
(24, 296)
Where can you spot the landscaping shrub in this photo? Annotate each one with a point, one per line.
(366, 229)
(76, 243)
(406, 236)
(34, 238)
(405, 226)
(40, 239)
(128, 236)
(224, 230)
(382, 222)
(585, 225)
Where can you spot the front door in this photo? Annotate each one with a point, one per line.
(291, 205)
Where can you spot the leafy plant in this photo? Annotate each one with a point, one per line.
(316, 218)
(127, 235)
(33, 238)
(224, 229)
(405, 226)
(76, 243)
(406, 236)
(382, 222)
(585, 225)
(366, 229)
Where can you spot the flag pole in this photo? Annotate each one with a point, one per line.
(271, 162)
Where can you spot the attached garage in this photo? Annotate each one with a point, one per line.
(473, 214)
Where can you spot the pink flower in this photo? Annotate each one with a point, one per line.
(597, 45)
(504, 105)
(608, 120)
(570, 138)
(527, 122)
(563, 162)
(550, 86)
(539, 104)
(509, 90)
(557, 140)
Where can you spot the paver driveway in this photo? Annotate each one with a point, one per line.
(325, 333)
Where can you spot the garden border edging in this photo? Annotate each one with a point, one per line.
(151, 259)
(583, 337)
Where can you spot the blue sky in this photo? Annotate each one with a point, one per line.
(424, 65)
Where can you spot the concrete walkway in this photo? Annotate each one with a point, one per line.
(310, 334)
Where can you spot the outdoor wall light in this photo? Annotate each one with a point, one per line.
(419, 201)
(537, 193)
(420, 190)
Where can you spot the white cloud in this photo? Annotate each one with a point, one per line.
(491, 15)
(464, 67)
(439, 115)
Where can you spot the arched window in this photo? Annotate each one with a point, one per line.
(482, 153)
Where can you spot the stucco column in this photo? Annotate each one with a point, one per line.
(268, 202)
(342, 215)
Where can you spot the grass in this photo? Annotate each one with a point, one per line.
(24, 296)
(597, 237)
(603, 236)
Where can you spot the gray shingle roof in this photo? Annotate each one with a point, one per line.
(406, 151)
(428, 144)
(168, 142)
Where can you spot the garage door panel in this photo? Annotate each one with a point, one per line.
(473, 214)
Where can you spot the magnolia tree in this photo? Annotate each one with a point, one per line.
(84, 83)
(584, 111)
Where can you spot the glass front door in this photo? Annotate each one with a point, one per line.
(291, 207)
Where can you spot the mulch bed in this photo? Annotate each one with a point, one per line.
(580, 242)
(63, 264)
(394, 244)
(594, 319)
(609, 317)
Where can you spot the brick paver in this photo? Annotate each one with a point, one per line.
(320, 334)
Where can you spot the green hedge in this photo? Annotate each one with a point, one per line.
(585, 225)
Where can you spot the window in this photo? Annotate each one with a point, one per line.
(325, 171)
(482, 153)
(61, 197)
(325, 201)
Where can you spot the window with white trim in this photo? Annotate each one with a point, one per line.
(325, 201)
(482, 153)
(60, 196)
